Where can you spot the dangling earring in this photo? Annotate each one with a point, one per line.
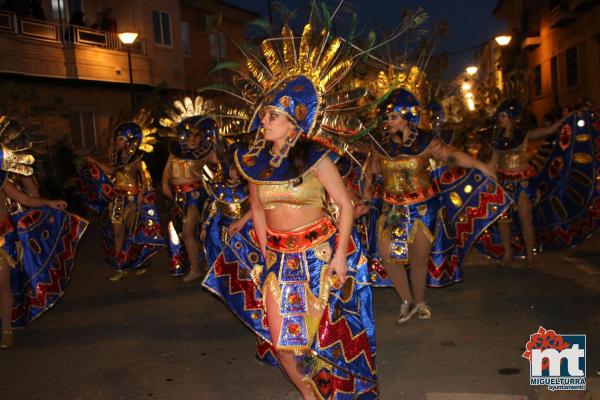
(290, 141)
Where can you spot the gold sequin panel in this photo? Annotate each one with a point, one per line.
(515, 159)
(309, 193)
(405, 174)
(126, 177)
(186, 169)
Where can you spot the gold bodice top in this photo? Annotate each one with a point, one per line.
(126, 177)
(186, 169)
(515, 159)
(309, 193)
(405, 174)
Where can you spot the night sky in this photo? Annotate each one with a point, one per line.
(470, 22)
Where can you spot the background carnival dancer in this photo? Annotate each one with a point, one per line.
(409, 217)
(122, 193)
(304, 280)
(183, 179)
(434, 112)
(228, 208)
(510, 158)
(38, 244)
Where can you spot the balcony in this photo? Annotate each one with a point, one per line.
(560, 16)
(531, 43)
(41, 48)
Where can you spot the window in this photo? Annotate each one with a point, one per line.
(554, 76)
(83, 129)
(161, 26)
(58, 9)
(571, 67)
(185, 37)
(530, 22)
(217, 46)
(537, 81)
(75, 6)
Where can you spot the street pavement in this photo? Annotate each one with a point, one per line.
(155, 337)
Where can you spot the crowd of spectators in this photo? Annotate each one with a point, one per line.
(583, 104)
(105, 16)
(25, 8)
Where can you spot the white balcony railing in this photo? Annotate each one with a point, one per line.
(52, 32)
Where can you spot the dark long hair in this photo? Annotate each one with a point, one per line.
(298, 158)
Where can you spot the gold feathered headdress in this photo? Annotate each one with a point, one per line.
(139, 134)
(298, 78)
(11, 158)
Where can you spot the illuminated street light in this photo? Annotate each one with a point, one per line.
(503, 40)
(472, 70)
(470, 102)
(466, 86)
(127, 38)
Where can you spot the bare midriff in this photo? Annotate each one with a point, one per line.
(287, 219)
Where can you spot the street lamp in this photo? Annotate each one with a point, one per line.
(503, 40)
(466, 86)
(472, 70)
(127, 38)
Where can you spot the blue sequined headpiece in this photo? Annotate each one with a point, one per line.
(295, 97)
(511, 107)
(131, 131)
(436, 112)
(405, 103)
(201, 125)
(139, 134)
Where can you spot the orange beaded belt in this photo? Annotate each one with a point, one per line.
(127, 190)
(302, 238)
(417, 196)
(188, 187)
(516, 175)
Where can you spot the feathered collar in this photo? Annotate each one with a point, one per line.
(258, 170)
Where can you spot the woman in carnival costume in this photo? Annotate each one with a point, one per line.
(228, 208)
(556, 200)
(122, 193)
(38, 244)
(183, 179)
(409, 227)
(297, 279)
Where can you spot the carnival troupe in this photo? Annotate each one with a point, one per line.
(298, 190)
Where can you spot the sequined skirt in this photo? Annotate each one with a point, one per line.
(191, 194)
(515, 183)
(338, 340)
(8, 242)
(398, 225)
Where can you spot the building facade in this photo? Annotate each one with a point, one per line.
(70, 75)
(559, 41)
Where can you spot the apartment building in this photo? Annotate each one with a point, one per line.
(70, 76)
(560, 43)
